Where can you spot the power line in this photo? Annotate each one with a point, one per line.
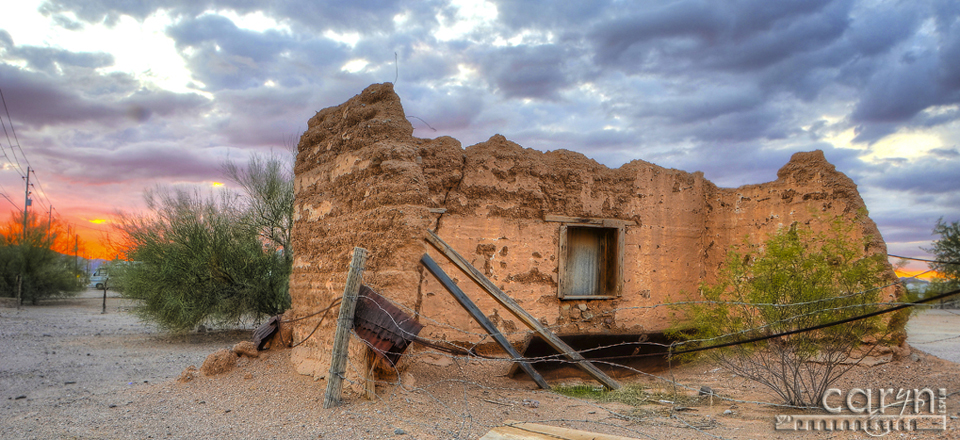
(14, 130)
(11, 202)
(792, 332)
(924, 260)
(42, 189)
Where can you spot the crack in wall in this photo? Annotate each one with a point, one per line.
(419, 304)
(455, 187)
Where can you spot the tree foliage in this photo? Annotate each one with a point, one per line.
(947, 251)
(194, 258)
(797, 279)
(36, 255)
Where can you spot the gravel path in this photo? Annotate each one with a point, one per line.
(68, 371)
(63, 355)
(936, 332)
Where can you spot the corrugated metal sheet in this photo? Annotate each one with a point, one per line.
(266, 331)
(387, 328)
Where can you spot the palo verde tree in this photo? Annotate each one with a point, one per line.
(194, 258)
(947, 251)
(38, 256)
(796, 279)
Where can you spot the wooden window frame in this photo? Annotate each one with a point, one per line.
(619, 229)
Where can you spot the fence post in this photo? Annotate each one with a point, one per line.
(338, 360)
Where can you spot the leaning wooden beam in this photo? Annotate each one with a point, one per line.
(512, 430)
(338, 361)
(519, 312)
(468, 304)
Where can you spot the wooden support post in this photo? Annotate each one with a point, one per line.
(338, 360)
(468, 304)
(519, 312)
(370, 375)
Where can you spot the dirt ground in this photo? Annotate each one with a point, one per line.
(68, 371)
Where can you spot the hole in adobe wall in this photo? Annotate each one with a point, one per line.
(610, 349)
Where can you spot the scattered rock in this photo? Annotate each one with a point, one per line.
(188, 374)
(437, 360)
(20, 397)
(248, 376)
(914, 357)
(219, 362)
(706, 391)
(728, 412)
(399, 431)
(246, 348)
(408, 381)
(530, 403)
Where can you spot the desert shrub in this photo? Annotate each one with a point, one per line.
(796, 279)
(35, 256)
(947, 252)
(194, 258)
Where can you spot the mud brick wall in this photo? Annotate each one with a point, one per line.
(362, 179)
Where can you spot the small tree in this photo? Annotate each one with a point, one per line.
(796, 279)
(947, 252)
(35, 255)
(194, 259)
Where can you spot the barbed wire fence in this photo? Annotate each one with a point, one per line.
(446, 389)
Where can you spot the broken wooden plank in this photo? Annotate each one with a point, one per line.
(338, 360)
(370, 376)
(605, 222)
(475, 312)
(512, 430)
(519, 312)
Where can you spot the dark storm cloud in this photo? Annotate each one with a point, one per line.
(137, 162)
(935, 176)
(46, 58)
(446, 112)
(39, 99)
(732, 88)
(527, 71)
(364, 15)
(521, 14)
(224, 56)
(733, 35)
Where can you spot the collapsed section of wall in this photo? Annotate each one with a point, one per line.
(362, 179)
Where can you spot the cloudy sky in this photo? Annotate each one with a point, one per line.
(109, 97)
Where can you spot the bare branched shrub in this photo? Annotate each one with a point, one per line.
(797, 279)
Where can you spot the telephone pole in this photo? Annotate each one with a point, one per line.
(76, 260)
(23, 242)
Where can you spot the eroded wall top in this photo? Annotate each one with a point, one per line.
(362, 179)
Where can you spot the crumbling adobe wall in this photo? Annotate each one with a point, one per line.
(363, 180)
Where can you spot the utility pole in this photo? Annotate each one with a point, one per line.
(23, 243)
(50, 223)
(76, 260)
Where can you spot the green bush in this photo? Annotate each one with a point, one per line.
(193, 259)
(796, 279)
(46, 273)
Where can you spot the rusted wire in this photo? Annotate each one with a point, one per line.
(333, 304)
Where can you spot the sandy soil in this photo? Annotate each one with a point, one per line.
(68, 371)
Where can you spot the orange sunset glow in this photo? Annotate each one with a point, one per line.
(920, 274)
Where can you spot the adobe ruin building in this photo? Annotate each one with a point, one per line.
(582, 247)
